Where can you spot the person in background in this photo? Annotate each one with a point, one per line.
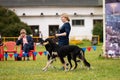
(40, 37)
(64, 31)
(26, 41)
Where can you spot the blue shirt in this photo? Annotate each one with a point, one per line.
(64, 40)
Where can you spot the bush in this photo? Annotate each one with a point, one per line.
(98, 30)
(75, 42)
(10, 24)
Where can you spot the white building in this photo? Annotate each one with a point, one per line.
(44, 15)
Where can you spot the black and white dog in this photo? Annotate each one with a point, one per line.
(71, 51)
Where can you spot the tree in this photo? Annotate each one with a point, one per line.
(10, 24)
(98, 30)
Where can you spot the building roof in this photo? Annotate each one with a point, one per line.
(21, 3)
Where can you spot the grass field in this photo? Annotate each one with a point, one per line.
(102, 69)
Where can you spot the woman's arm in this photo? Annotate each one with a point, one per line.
(61, 34)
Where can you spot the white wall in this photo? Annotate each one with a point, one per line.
(33, 18)
(52, 10)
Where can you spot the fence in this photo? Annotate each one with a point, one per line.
(94, 38)
(5, 39)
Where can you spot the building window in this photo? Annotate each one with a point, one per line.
(95, 21)
(78, 22)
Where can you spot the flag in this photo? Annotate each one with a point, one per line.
(84, 49)
(34, 53)
(45, 53)
(15, 55)
(94, 48)
(40, 53)
(10, 55)
(30, 54)
(1, 56)
(6, 55)
(20, 54)
(88, 48)
(25, 54)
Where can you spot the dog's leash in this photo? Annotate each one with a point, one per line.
(52, 37)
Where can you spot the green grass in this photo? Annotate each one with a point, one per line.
(102, 69)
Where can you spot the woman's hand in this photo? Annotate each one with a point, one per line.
(19, 37)
(62, 34)
(57, 35)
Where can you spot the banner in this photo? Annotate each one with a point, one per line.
(42, 52)
(112, 28)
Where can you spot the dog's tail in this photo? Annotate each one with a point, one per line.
(86, 63)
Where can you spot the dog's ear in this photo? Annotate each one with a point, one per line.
(42, 41)
(50, 40)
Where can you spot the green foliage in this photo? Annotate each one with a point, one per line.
(98, 30)
(10, 24)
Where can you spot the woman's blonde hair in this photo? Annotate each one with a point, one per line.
(22, 31)
(66, 16)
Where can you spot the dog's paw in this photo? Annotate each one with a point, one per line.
(90, 68)
(72, 69)
(44, 69)
(66, 70)
(54, 67)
